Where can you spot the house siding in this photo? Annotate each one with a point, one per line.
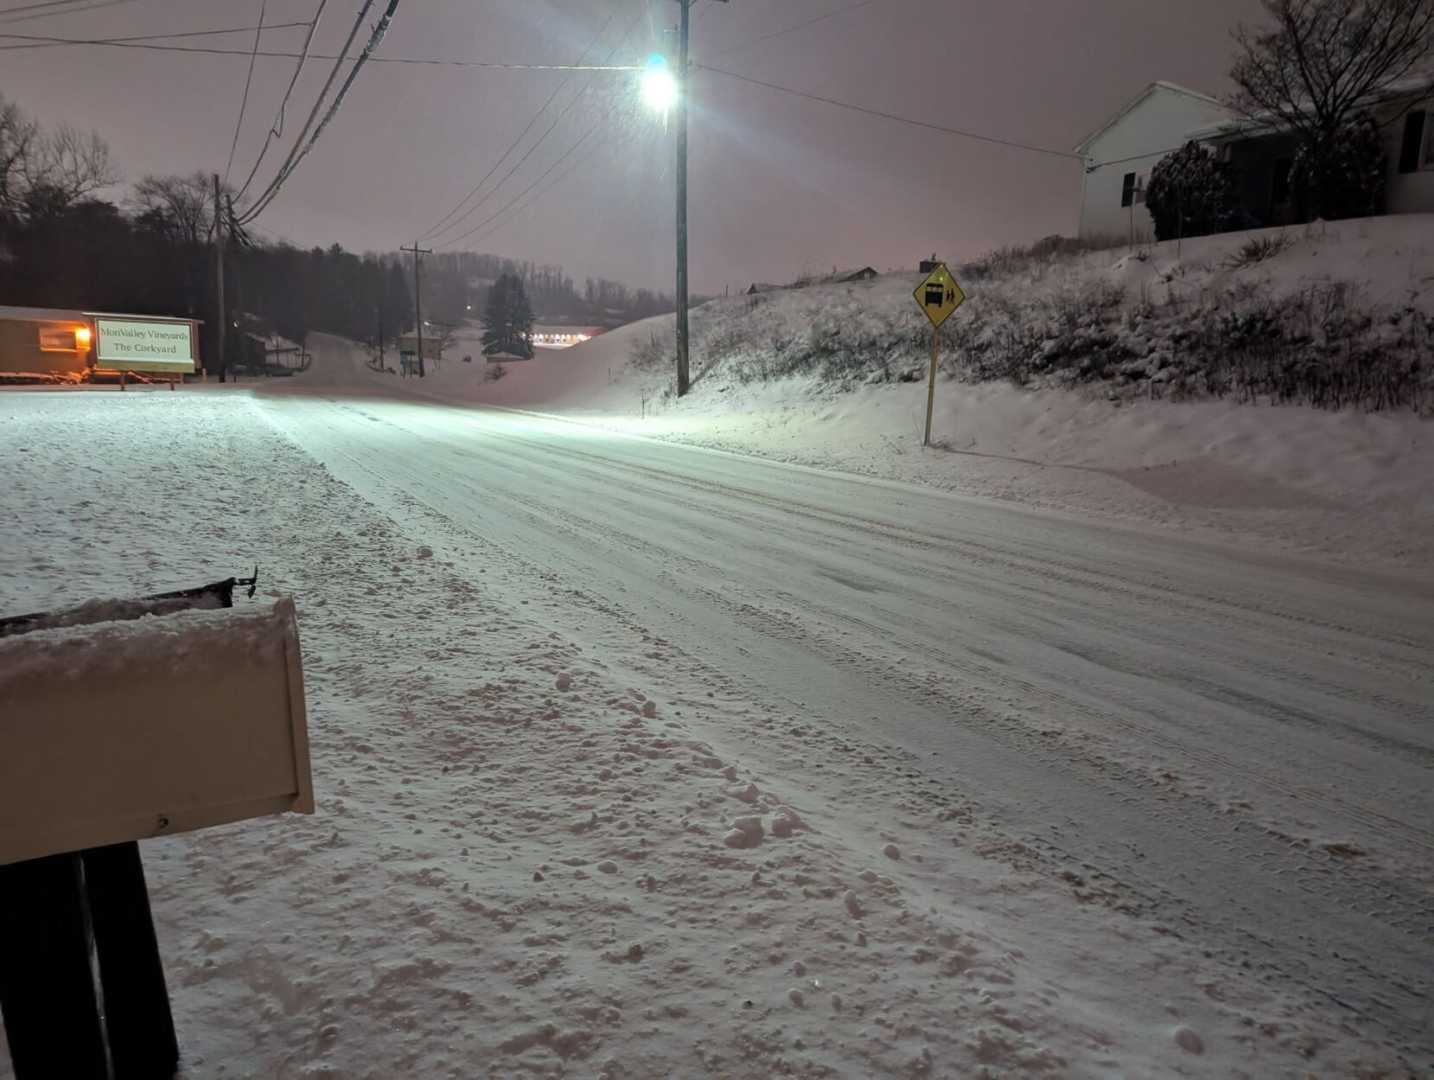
(1146, 133)
(1409, 193)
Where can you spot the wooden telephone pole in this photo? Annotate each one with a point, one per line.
(416, 251)
(684, 84)
(220, 333)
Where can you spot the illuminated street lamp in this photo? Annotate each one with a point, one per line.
(659, 85)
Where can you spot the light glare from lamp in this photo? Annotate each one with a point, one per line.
(659, 86)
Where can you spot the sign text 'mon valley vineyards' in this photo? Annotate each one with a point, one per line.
(136, 345)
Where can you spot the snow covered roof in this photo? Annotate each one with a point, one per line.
(1135, 102)
(36, 314)
(1264, 123)
(43, 315)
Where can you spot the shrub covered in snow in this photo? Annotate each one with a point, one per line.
(1191, 193)
(1263, 318)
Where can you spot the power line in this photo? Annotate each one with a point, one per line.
(375, 39)
(93, 5)
(276, 129)
(893, 116)
(523, 135)
(422, 61)
(33, 41)
(556, 183)
(793, 29)
(542, 176)
(541, 139)
(279, 177)
(248, 81)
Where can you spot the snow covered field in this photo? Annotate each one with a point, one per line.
(640, 760)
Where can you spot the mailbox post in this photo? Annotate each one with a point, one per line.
(126, 720)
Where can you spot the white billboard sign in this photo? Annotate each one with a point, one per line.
(142, 345)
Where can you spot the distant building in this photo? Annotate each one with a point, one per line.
(761, 287)
(52, 344)
(559, 336)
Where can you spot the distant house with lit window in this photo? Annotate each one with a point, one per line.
(1163, 117)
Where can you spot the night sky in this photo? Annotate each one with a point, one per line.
(779, 186)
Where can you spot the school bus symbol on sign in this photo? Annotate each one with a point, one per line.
(939, 295)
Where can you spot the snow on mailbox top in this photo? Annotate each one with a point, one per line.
(120, 731)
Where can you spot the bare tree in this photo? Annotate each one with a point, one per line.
(1323, 61)
(45, 172)
(17, 140)
(74, 163)
(180, 207)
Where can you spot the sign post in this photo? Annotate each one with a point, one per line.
(938, 296)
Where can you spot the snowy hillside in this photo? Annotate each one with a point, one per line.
(817, 376)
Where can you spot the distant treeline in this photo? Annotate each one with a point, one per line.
(63, 246)
(456, 286)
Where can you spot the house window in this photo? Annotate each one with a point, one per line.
(1127, 190)
(1280, 182)
(59, 339)
(1412, 146)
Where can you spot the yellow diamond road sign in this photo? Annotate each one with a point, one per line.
(939, 295)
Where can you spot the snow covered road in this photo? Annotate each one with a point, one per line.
(1234, 746)
(638, 760)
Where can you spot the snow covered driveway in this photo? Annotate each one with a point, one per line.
(1066, 798)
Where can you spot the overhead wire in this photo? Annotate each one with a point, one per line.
(484, 233)
(791, 29)
(15, 14)
(375, 39)
(248, 81)
(276, 129)
(422, 61)
(318, 105)
(541, 177)
(438, 227)
(541, 139)
(33, 41)
(896, 117)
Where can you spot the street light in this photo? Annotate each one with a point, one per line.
(659, 85)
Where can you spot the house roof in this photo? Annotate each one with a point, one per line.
(35, 314)
(1414, 85)
(1082, 146)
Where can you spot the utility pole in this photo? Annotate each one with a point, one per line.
(684, 85)
(219, 279)
(416, 251)
(684, 80)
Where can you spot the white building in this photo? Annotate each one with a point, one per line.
(1164, 117)
(1120, 155)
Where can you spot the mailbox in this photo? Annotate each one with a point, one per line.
(120, 731)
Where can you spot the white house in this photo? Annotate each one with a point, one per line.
(1121, 153)
(1164, 117)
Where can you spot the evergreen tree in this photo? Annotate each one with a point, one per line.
(508, 320)
(1191, 193)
